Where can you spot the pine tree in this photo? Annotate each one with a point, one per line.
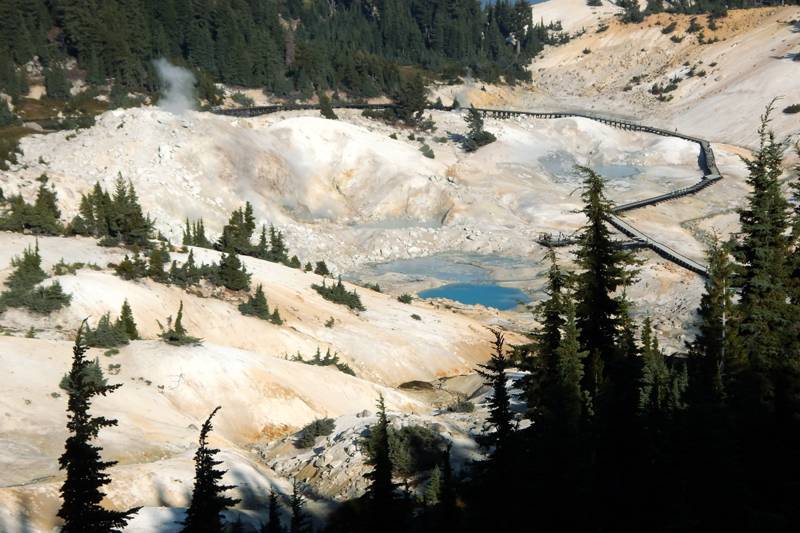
(105, 334)
(380, 492)
(569, 403)
(716, 340)
(763, 253)
(433, 491)
(273, 523)
(542, 366)
(325, 107)
(278, 253)
(411, 100)
(262, 248)
(500, 417)
(176, 334)
(85, 471)
(299, 520)
(155, 265)
(322, 269)
(231, 272)
(256, 305)
(7, 117)
(604, 270)
(56, 84)
(654, 397)
(477, 136)
(208, 495)
(126, 323)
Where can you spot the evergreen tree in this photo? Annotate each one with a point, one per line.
(176, 334)
(299, 521)
(411, 100)
(380, 492)
(603, 272)
(764, 310)
(476, 136)
(273, 523)
(81, 491)
(433, 491)
(208, 495)
(278, 253)
(262, 248)
(256, 305)
(500, 417)
(56, 84)
(631, 13)
(106, 334)
(542, 364)
(155, 265)
(7, 117)
(126, 323)
(569, 403)
(322, 269)
(654, 397)
(716, 340)
(325, 107)
(231, 272)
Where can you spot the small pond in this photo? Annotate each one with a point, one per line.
(495, 296)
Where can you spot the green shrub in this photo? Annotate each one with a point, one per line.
(339, 294)
(462, 405)
(405, 298)
(330, 322)
(790, 110)
(413, 449)
(61, 268)
(45, 300)
(669, 28)
(318, 428)
(427, 151)
(416, 317)
(242, 99)
(106, 334)
(328, 360)
(24, 289)
(176, 334)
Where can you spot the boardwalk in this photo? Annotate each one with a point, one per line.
(706, 160)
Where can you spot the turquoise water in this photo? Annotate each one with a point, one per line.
(502, 298)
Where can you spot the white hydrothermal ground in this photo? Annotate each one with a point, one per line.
(347, 192)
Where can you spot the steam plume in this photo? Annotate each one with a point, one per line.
(177, 87)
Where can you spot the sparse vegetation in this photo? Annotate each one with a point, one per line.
(175, 333)
(792, 109)
(257, 306)
(24, 289)
(337, 293)
(476, 135)
(405, 298)
(328, 359)
(318, 428)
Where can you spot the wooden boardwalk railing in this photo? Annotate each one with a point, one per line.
(706, 161)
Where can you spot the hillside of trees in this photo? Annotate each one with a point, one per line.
(285, 46)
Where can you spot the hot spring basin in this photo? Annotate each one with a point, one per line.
(495, 296)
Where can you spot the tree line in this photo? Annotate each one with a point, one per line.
(285, 46)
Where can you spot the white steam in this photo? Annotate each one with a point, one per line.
(177, 87)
